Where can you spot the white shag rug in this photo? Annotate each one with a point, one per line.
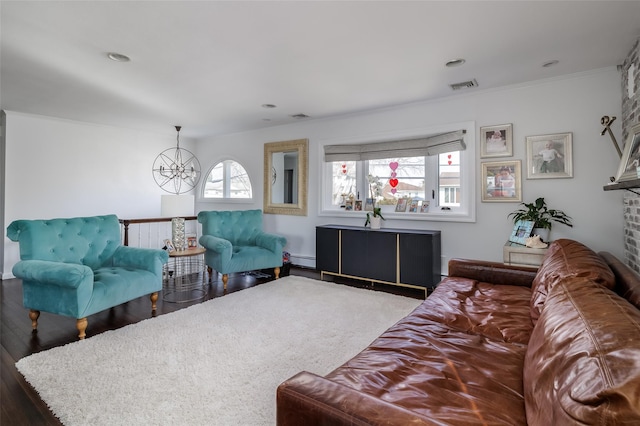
(216, 363)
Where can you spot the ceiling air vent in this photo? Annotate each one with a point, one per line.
(300, 116)
(464, 84)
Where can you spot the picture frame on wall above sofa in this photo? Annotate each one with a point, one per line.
(502, 182)
(496, 141)
(630, 160)
(550, 156)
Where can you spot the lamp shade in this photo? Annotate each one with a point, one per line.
(177, 205)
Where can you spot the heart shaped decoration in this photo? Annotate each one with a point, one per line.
(449, 162)
(393, 165)
(393, 190)
(449, 156)
(393, 182)
(393, 174)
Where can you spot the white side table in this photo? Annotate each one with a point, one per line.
(519, 255)
(184, 277)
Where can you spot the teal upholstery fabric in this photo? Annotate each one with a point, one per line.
(235, 241)
(77, 266)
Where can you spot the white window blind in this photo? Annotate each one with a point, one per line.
(425, 146)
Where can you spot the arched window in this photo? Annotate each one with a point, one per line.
(228, 179)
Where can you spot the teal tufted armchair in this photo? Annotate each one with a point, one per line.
(235, 242)
(77, 267)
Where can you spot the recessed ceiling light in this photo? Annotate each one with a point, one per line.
(550, 63)
(266, 119)
(268, 106)
(455, 62)
(301, 115)
(118, 57)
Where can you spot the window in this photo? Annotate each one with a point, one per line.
(228, 179)
(445, 179)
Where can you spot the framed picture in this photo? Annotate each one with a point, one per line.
(368, 205)
(358, 205)
(425, 207)
(630, 161)
(502, 182)
(348, 205)
(413, 207)
(401, 206)
(521, 231)
(496, 141)
(549, 156)
(168, 246)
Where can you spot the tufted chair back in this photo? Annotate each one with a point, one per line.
(89, 241)
(240, 227)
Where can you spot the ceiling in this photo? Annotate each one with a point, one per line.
(211, 65)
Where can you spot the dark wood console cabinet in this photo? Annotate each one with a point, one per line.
(403, 257)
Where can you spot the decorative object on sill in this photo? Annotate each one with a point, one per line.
(374, 218)
(393, 182)
(606, 121)
(176, 170)
(542, 216)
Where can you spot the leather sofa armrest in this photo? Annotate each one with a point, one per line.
(308, 399)
(271, 242)
(492, 272)
(140, 258)
(70, 275)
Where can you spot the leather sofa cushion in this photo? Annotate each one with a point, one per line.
(567, 258)
(583, 361)
(499, 312)
(457, 359)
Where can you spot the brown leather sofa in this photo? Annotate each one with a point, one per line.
(495, 345)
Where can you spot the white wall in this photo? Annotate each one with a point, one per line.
(570, 104)
(61, 168)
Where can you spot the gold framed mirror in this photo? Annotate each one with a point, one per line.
(285, 177)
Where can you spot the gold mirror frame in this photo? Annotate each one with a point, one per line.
(301, 147)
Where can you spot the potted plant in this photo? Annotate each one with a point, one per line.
(542, 217)
(374, 218)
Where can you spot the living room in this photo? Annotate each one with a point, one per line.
(60, 165)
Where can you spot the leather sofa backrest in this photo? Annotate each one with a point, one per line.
(567, 258)
(241, 227)
(89, 241)
(627, 280)
(582, 364)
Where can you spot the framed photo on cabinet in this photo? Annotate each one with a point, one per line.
(496, 141)
(549, 156)
(502, 182)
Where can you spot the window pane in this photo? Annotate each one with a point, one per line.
(228, 179)
(213, 187)
(343, 181)
(239, 184)
(400, 178)
(449, 179)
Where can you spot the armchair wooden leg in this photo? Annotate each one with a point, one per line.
(225, 279)
(34, 315)
(276, 271)
(154, 299)
(210, 272)
(81, 325)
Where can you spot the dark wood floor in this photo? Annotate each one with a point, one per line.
(21, 405)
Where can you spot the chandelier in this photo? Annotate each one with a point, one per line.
(176, 170)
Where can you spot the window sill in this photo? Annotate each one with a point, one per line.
(437, 216)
